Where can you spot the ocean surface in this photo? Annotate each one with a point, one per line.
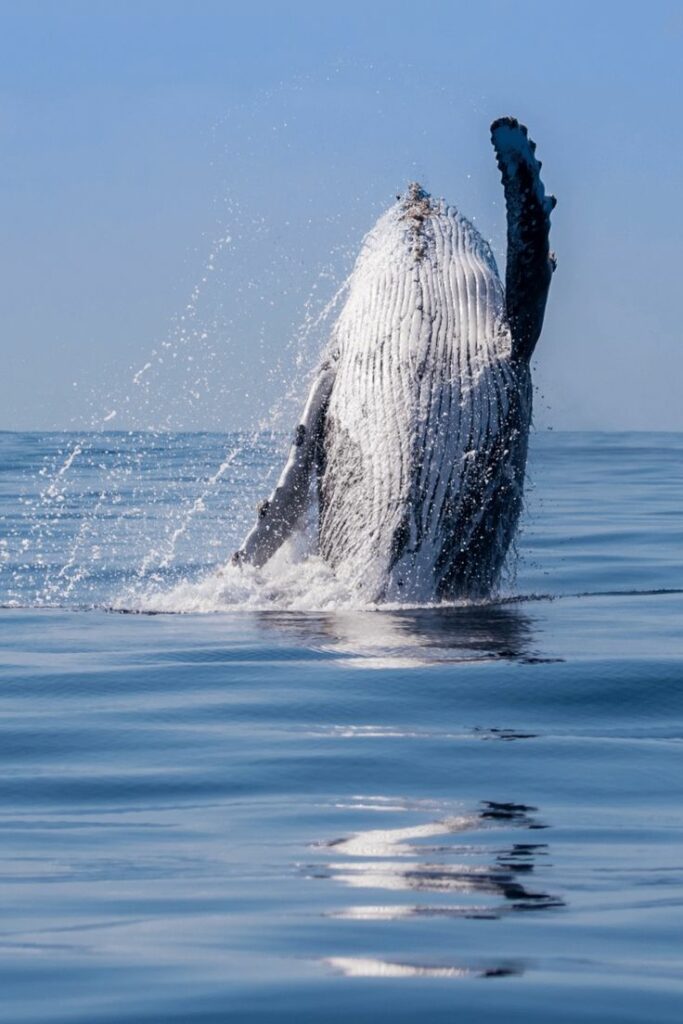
(237, 796)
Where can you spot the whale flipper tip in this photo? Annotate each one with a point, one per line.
(529, 266)
(507, 122)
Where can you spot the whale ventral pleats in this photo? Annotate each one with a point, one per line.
(416, 207)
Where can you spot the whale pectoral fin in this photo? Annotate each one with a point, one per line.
(530, 264)
(279, 514)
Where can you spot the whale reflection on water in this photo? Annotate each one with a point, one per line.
(371, 967)
(468, 880)
(412, 637)
(394, 859)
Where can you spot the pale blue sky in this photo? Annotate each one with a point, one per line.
(133, 141)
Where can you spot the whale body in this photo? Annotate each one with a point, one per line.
(416, 426)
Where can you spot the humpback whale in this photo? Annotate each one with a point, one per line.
(413, 440)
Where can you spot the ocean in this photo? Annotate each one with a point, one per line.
(229, 795)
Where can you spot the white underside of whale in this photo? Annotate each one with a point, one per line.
(420, 397)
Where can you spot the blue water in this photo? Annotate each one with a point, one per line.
(279, 806)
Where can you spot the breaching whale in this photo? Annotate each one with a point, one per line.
(416, 427)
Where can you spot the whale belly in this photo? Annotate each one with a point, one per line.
(426, 427)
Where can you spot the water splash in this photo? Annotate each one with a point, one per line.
(97, 496)
(196, 508)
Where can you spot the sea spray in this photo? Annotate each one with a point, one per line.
(97, 501)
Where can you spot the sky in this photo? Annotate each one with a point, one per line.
(185, 185)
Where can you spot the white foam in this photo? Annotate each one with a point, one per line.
(308, 585)
(296, 578)
(288, 582)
